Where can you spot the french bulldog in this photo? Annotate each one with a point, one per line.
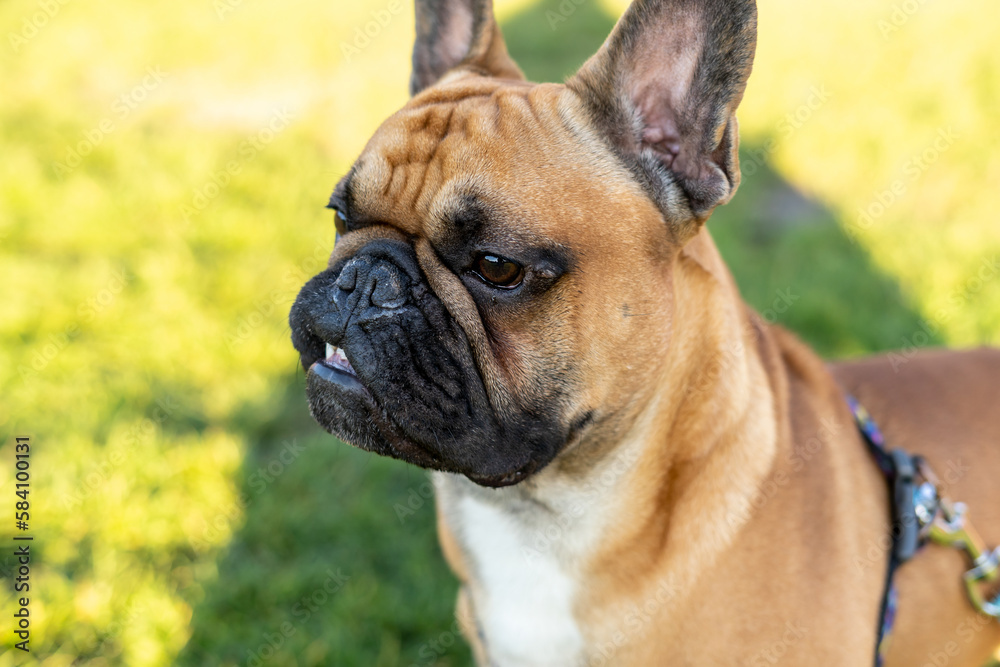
(631, 466)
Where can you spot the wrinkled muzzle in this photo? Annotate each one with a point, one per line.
(389, 370)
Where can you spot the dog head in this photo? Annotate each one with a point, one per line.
(502, 280)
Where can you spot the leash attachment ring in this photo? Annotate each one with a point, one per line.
(952, 529)
(921, 514)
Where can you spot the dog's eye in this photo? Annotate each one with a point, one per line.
(499, 272)
(340, 222)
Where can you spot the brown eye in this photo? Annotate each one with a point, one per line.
(499, 272)
(339, 222)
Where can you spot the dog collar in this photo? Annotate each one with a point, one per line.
(921, 514)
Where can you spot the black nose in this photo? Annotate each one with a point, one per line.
(365, 290)
(369, 281)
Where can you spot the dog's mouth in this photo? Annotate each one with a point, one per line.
(334, 372)
(336, 368)
(336, 359)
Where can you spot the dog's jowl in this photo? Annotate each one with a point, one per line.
(687, 487)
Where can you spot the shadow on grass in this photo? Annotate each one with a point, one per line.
(797, 267)
(337, 561)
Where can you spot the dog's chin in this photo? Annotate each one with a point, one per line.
(344, 407)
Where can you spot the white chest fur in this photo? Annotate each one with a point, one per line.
(523, 596)
(525, 547)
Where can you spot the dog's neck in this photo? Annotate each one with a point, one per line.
(708, 438)
(674, 489)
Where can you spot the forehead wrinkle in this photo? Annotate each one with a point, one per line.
(399, 161)
(425, 130)
(418, 148)
(411, 162)
(419, 163)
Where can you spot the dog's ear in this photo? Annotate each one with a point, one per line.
(664, 89)
(458, 32)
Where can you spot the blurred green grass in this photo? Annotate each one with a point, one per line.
(154, 229)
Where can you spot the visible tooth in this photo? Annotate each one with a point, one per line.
(330, 349)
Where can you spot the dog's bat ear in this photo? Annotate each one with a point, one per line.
(664, 89)
(458, 32)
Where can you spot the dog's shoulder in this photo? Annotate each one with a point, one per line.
(925, 375)
(939, 403)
